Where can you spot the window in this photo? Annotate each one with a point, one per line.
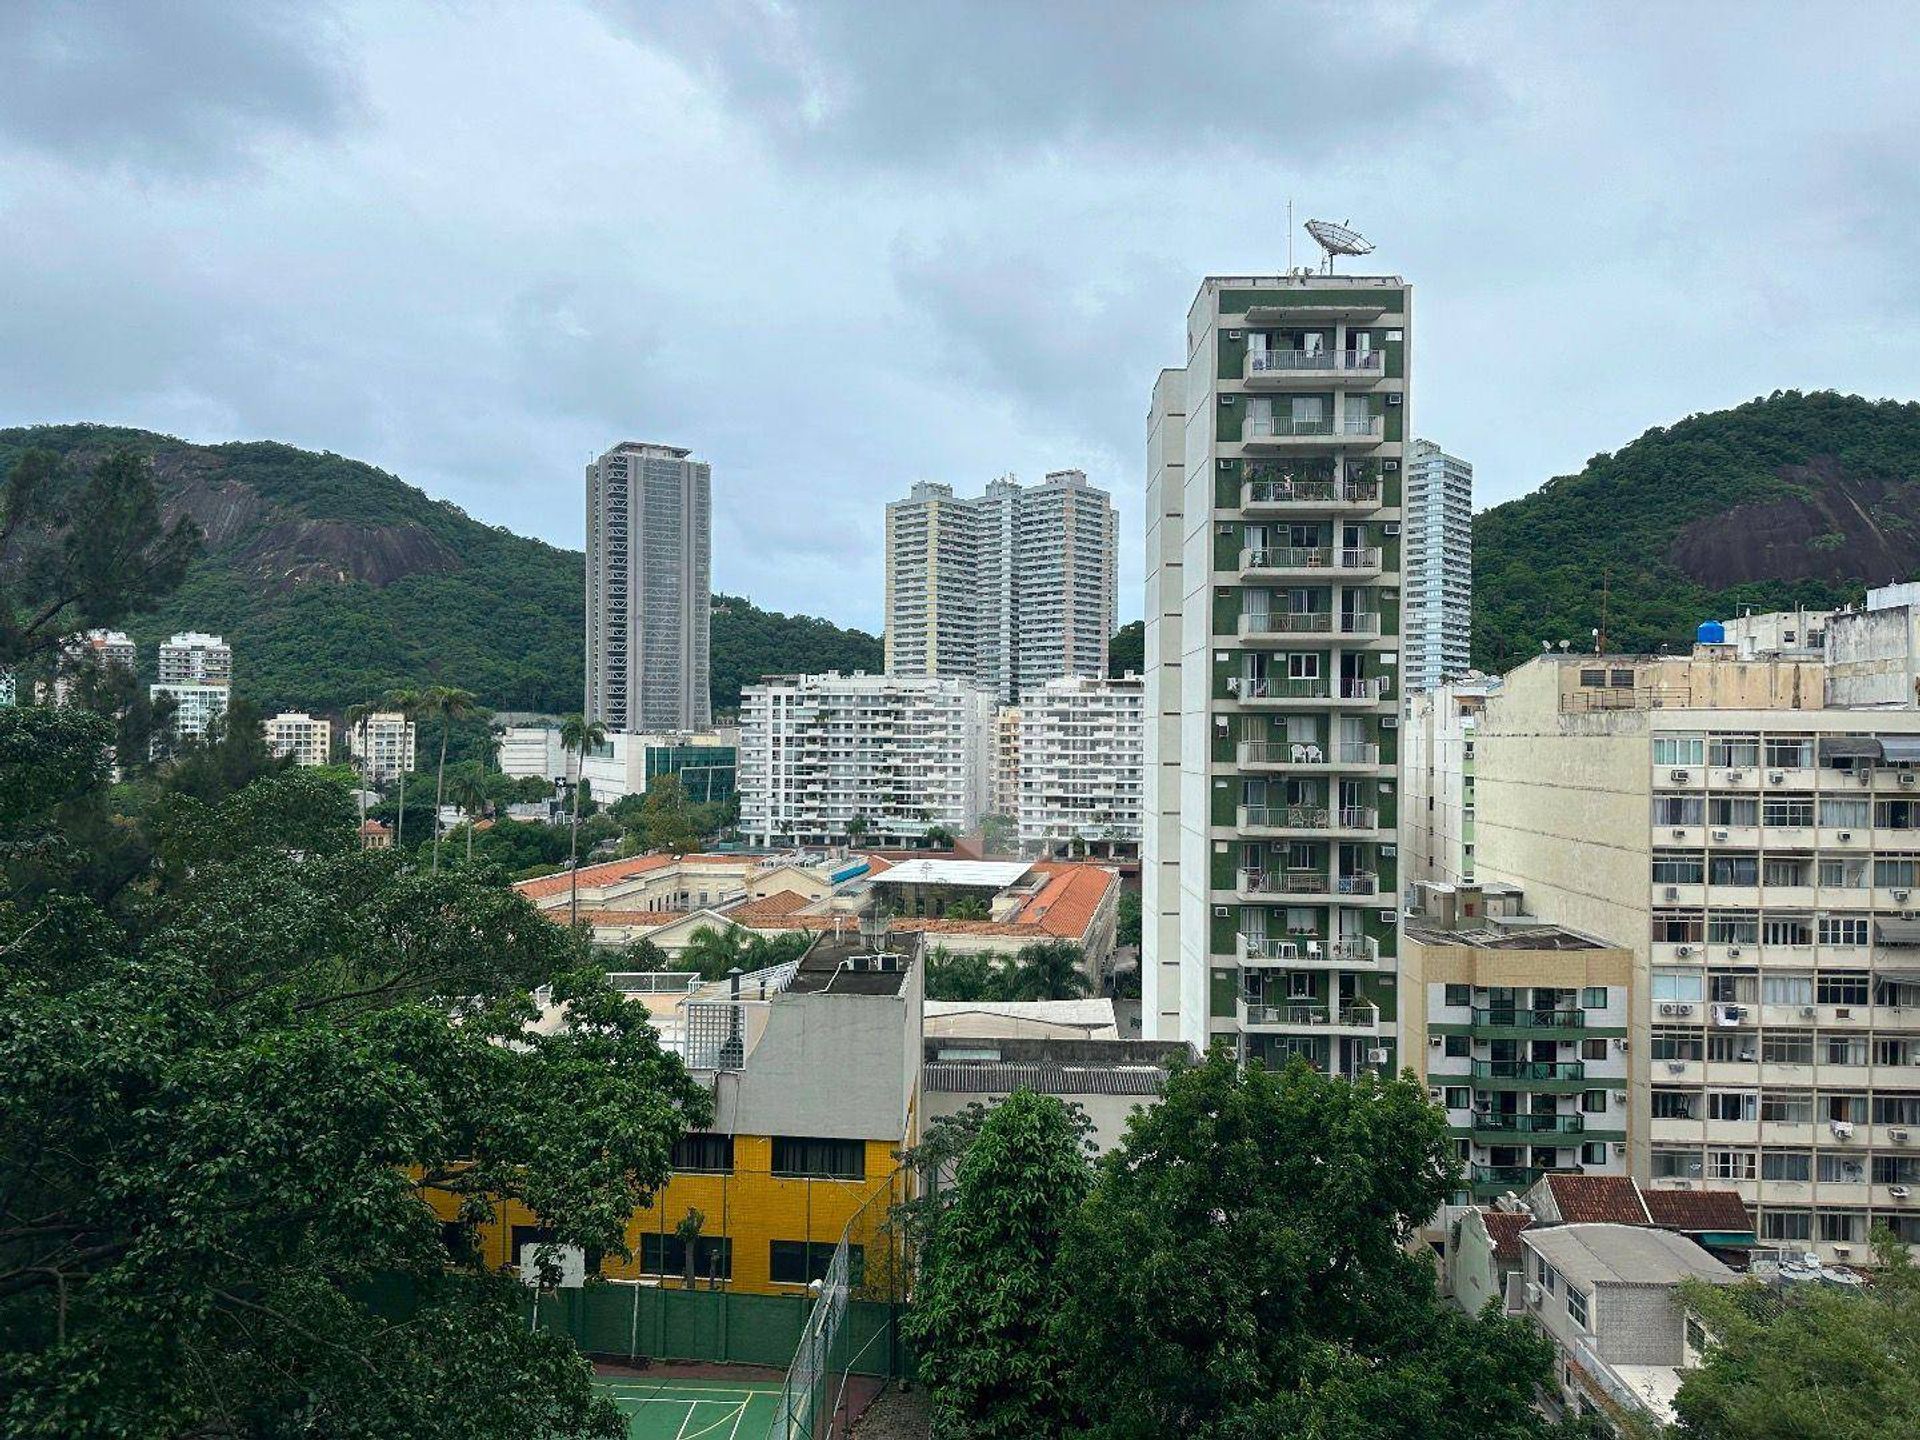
(798, 1262)
(1458, 1097)
(1593, 1049)
(1577, 1307)
(1786, 1165)
(1594, 1152)
(667, 1255)
(702, 1154)
(1593, 1102)
(1593, 997)
(1458, 1047)
(1786, 1225)
(819, 1159)
(1679, 750)
(1841, 987)
(1844, 930)
(1459, 995)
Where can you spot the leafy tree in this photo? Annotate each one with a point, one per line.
(1808, 1361)
(1049, 970)
(223, 1109)
(78, 556)
(577, 736)
(445, 704)
(983, 1320)
(967, 975)
(1239, 1271)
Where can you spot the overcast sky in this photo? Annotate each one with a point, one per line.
(840, 248)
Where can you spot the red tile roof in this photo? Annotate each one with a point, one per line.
(1503, 1229)
(1697, 1211)
(1598, 1199)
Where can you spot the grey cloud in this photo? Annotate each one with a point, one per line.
(184, 85)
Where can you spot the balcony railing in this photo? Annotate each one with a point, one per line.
(1286, 427)
(1310, 492)
(1531, 1124)
(1283, 817)
(1342, 362)
(1294, 752)
(1529, 1069)
(1515, 1017)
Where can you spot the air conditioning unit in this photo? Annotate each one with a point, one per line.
(1679, 775)
(1673, 892)
(1376, 1057)
(1776, 777)
(1900, 1137)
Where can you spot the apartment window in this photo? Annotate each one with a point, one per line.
(799, 1262)
(1786, 1165)
(1458, 1047)
(1459, 995)
(1594, 1152)
(1786, 1225)
(667, 1255)
(700, 1154)
(1841, 987)
(1577, 1307)
(1593, 1102)
(1593, 1049)
(798, 1155)
(1679, 750)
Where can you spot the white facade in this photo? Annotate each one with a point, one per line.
(1081, 762)
(1013, 588)
(1437, 605)
(903, 753)
(307, 739)
(196, 706)
(1760, 855)
(194, 658)
(384, 745)
(533, 752)
(649, 599)
(1437, 781)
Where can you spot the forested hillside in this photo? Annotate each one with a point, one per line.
(335, 581)
(1796, 499)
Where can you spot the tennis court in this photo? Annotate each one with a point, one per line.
(695, 1409)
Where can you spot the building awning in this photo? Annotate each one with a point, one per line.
(1849, 747)
(1900, 749)
(1890, 931)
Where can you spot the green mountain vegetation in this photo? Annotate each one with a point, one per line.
(1794, 499)
(336, 581)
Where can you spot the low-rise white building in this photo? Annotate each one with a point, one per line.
(383, 743)
(1082, 760)
(307, 739)
(883, 759)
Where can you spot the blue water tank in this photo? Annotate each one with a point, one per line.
(1710, 632)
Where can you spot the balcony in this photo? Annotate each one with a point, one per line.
(1280, 369)
(1318, 560)
(1286, 754)
(1290, 496)
(1304, 1015)
(1274, 433)
(1515, 1017)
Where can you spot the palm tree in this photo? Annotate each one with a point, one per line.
(1049, 970)
(577, 736)
(470, 794)
(714, 952)
(406, 702)
(446, 704)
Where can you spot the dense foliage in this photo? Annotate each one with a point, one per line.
(469, 605)
(1540, 563)
(1808, 1361)
(236, 1052)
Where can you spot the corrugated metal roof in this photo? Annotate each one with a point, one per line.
(975, 1078)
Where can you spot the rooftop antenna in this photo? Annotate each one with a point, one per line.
(1337, 240)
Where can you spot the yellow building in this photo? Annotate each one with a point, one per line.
(815, 1073)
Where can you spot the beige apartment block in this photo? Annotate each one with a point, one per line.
(1760, 856)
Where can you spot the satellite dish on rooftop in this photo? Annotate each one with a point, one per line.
(1337, 240)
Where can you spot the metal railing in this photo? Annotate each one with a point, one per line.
(1529, 1069)
(1285, 427)
(1520, 1017)
(1354, 362)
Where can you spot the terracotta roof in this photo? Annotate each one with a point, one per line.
(1697, 1211)
(1598, 1199)
(1503, 1229)
(1069, 900)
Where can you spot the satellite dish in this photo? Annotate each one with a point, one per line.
(1337, 240)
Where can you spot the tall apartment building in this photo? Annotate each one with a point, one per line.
(902, 753)
(1276, 516)
(383, 744)
(194, 658)
(1760, 857)
(309, 740)
(1081, 767)
(649, 589)
(1437, 600)
(1011, 589)
(1437, 772)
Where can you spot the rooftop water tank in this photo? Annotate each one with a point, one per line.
(1710, 632)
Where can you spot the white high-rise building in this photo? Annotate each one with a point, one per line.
(1011, 589)
(1271, 861)
(307, 738)
(649, 590)
(194, 658)
(1080, 764)
(903, 753)
(1437, 605)
(383, 744)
